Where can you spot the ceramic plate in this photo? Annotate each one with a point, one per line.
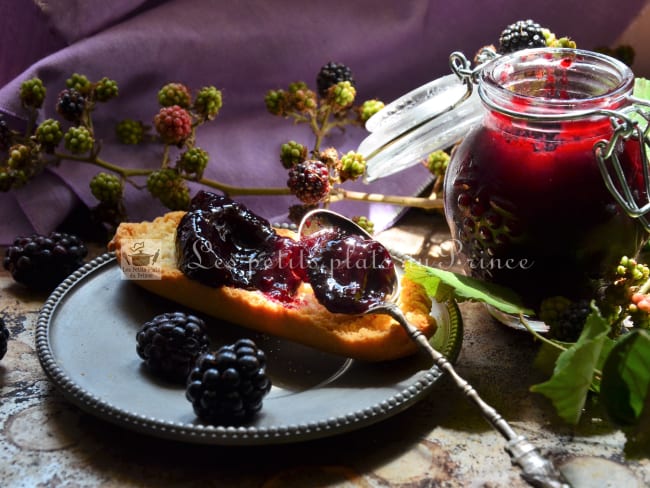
(85, 342)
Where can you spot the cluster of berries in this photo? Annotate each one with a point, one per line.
(623, 299)
(226, 385)
(527, 34)
(313, 175)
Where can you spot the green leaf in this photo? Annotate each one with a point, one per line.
(574, 370)
(641, 88)
(442, 285)
(626, 377)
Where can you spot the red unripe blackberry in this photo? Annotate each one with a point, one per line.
(309, 181)
(174, 124)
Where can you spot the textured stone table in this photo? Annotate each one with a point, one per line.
(440, 441)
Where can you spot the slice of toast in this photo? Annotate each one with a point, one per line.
(304, 319)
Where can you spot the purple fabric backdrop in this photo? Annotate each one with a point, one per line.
(246, 48)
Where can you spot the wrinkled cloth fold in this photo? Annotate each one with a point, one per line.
(246, 48)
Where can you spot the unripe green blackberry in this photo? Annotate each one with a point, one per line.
(168, 186)
(71, 104)
(341, 95)
(437, 162)
(80, 83)
(292, 153)
(105, 89)
(208, 102)
(107, 188)
(5, 135)
(364, 223)
(20, 156)
(174, 124)
(32, 93)
(352, 166)
(49, 134)
(174, 94)
(6, 181)
(78, 140)
(130, 131)
(276, 102)
(330, 74)
(194, 161)
(370, 108)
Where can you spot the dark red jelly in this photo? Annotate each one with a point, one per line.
(525, 198)
(220, 242)
(348, 273)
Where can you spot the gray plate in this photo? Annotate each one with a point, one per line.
(85, 341)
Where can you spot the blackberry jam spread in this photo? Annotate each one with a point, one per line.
(221, 243)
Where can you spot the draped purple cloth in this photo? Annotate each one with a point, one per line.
(245, 48)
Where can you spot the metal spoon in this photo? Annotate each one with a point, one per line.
(536, 470)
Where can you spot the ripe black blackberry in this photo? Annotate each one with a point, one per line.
(170, 343)
(71, 104)
(230, 384)
(570, 322)
(309, 181)
(4, 338)
(41, 262)
(331, 74)
(523, 34)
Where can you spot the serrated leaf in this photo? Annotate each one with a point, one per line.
(442, 284)
(574, 370)
(626, 377)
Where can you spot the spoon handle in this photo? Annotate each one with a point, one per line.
(536, 470)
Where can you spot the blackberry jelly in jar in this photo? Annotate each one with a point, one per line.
(524, 196)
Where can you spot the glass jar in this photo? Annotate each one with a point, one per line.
(524, 196)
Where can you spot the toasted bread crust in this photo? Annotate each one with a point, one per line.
(304, 320)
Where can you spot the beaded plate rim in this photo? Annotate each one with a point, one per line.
(223, 434)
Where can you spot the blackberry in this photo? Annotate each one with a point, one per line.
(301, 98)
(4, 338)
(170, 188)
(292, 153)
(570, 322)
(208, 102)
(370, 108)
(105, 89)
(106, 188)
(276, 102)
(170, 343)
(49, 134)
(342, 95)
(174, 124)
(41, 262)
(5, 135)
(352, 166)
(71, 104)
(437, 162)
(78, 140)
(194, 161)
(309, 181)
(78, 82)
(174, 94)
(130, 131)
(331, 74)
(364, 223)
(229, 385)
(523, 34)
(32, 93)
